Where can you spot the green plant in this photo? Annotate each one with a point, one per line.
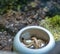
(55, 21)
(53, 25)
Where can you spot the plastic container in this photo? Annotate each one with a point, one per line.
(27, 32)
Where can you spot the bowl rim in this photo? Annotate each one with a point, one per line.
(18, 44)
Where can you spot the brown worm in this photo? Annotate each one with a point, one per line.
(36, 43)
(29, 45)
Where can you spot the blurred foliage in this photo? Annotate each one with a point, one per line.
(53, 25)
(54, 21)
(11, 4)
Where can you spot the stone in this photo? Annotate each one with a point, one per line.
(29, 20)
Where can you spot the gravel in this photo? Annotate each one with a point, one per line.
(6, 41)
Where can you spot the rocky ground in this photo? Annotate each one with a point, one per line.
(13, 21)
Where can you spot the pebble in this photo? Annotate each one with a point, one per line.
(29, 20)
(10, 40)
(5, 32)
(18, 19)
(24, 22)
(46, 9)
(28, 41)
(5, 41)
(36, 16)
(32, 47)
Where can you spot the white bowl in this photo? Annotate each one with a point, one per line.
(40, 32)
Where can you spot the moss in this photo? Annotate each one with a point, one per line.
(53, 25)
